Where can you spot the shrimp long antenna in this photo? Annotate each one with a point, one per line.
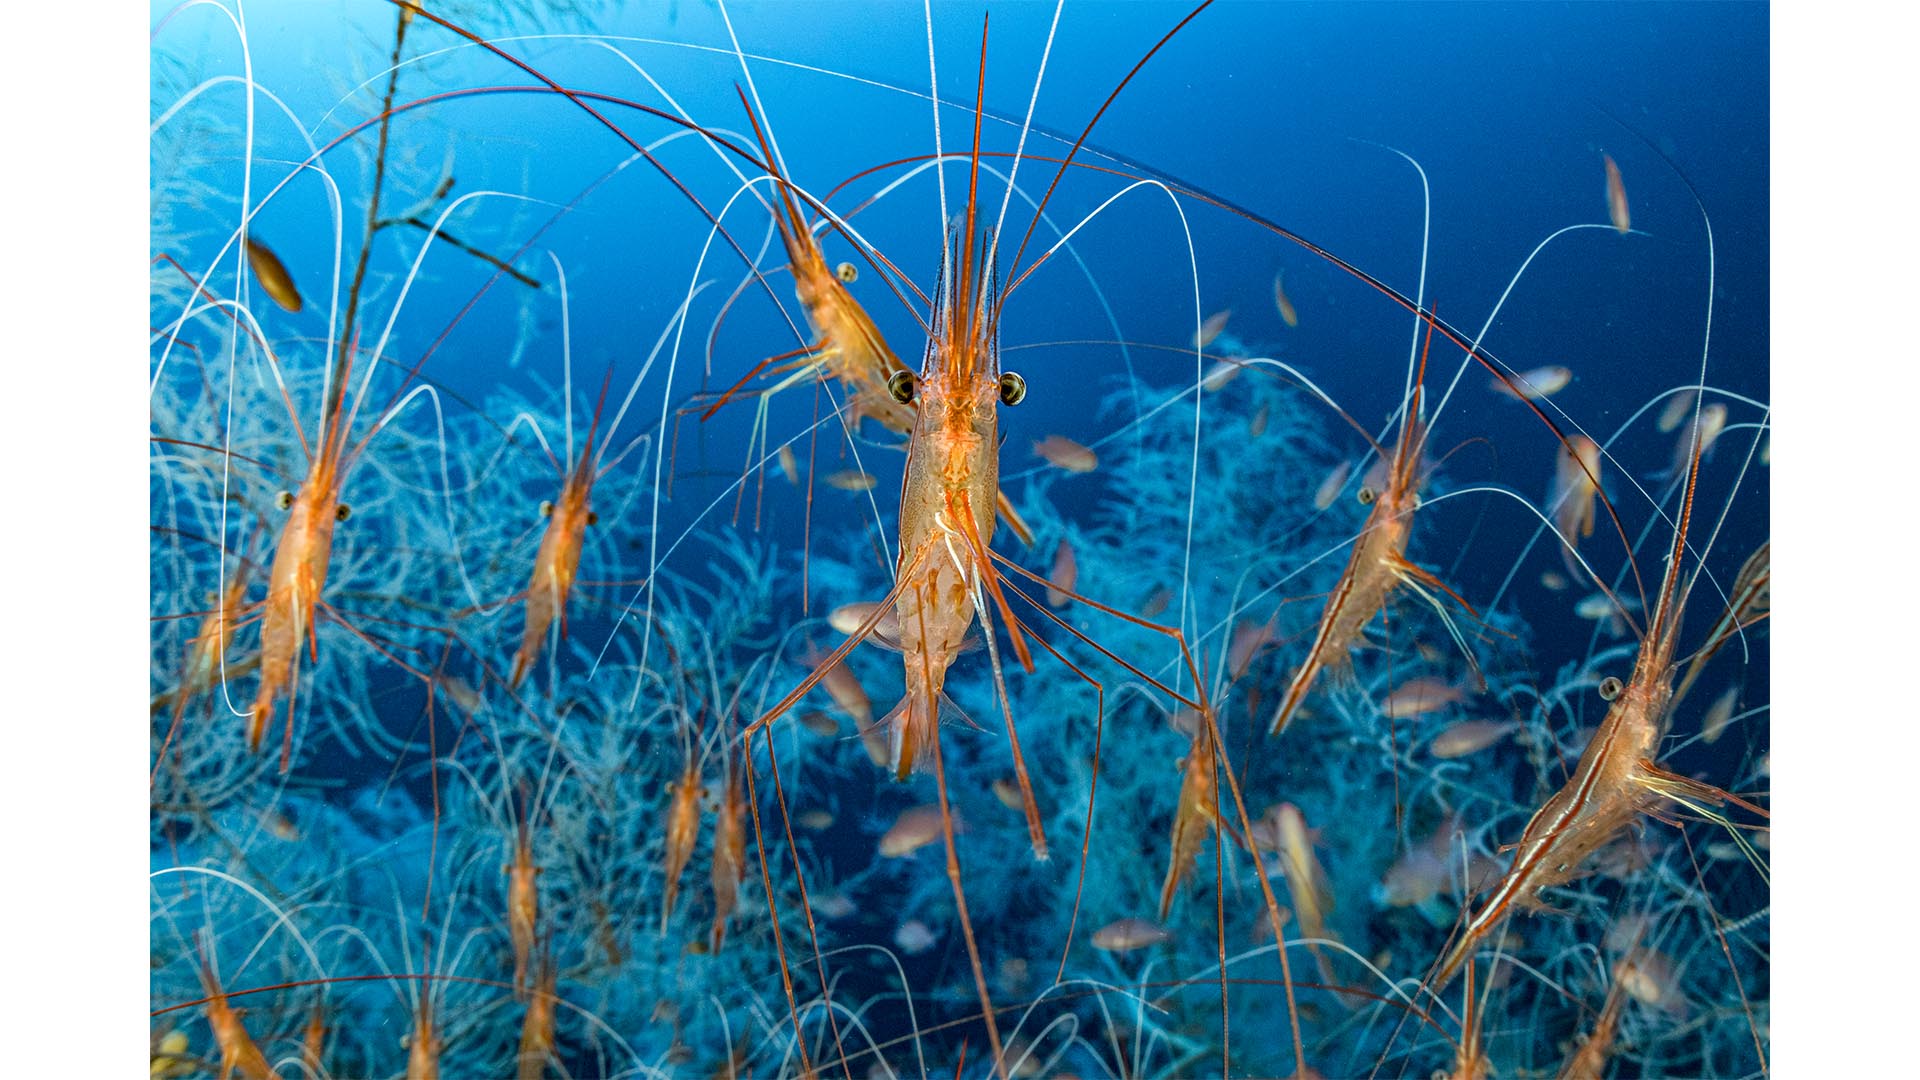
(1016, 279)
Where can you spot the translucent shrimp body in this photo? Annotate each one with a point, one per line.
(947, 506)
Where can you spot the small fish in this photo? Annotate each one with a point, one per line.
(851, 480)
(1064, 453)
(879, 746)
(1598, 607)
(820, 723)
(1014, 973)
(1417, 697)
(1576, 483)
(280, 826)
(1469, 737)
(461, 693)
(1306, 881)
(831, 905)
(1678, 406)
(1617, 198)
(817, 820)
(1766, 451)
(847, 273)
(272, 275)
(1126, 935)
(849, 618)
(1210, 329)
(1065, 573)
(1008, 793)
(1257, 426)
(1287, 314)
(789, 466)
(1718, 714)
(1419, 875)
(1329, 488)
(1250, 639)
(915, 828)
(1712, 420)
(913, 937)
(1161, 599)
(1649, 977)
(1220, 374)
(1553, 581)
(845, 689)
(1536, 384)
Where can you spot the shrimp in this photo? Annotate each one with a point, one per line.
(536, 1032)
(523, 904)
(1616, 779)
(729, 853)
(683, 827)
(557, 562)
(239, 1054)
(1589, 1058)
(207, 652)
(297, 576)
(1199, 809)
(425, 1044)
(1378, 567)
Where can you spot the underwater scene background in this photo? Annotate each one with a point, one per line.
(507, 717)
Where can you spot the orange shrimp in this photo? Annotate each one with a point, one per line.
(1589, 1058)
(536, 1033)
(683, 828)
(1378, 567)
(729, 853)
(1615, 780)
(297, 576)
(1199, 811)
(207, 652)
(523, 904)
(424, 1046)
(557, 562)
(313, 1042)
(239, 1054)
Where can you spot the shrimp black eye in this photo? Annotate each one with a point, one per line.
(1610, 688)
(283, 500)
(847, 272)
(900, 386)
(342, 512)
(1013, 389)
(593, 518)
(1365, 495)
(546, 508)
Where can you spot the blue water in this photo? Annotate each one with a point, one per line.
(703, 584)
